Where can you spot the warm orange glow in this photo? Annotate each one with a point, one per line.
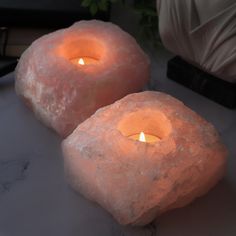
(142, 137)
(81, 61)
(145, 138)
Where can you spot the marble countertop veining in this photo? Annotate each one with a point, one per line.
(35, 199)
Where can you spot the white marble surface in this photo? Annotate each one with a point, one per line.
(35, 199)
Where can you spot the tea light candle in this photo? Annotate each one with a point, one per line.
(65, 76)
(138, 180)
(146, 138)
(84, 61)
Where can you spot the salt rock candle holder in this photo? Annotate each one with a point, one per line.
(142, 156)
(65, 76)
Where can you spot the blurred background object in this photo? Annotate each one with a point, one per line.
(22, 22)
(203, 34)
(143, 11)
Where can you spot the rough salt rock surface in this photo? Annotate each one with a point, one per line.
(135, 181)
(61, 93)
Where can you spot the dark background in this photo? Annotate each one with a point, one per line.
(41, 13)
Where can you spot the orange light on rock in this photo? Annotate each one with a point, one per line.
(84, 62)
(81, 61)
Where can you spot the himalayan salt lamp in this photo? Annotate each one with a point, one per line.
(179, 158)
(65, 76)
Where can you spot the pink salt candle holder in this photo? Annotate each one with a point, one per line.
(144, 155)
(65, 76)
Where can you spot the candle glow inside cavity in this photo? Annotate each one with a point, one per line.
(145, 138)
(142, 137)
(86, 61)
(81, 61)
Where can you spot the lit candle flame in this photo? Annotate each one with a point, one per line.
(81, 61)
(142, 137)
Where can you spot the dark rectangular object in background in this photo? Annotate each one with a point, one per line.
(7, 64)
(44, 13)
(49, 15)
(201, 82)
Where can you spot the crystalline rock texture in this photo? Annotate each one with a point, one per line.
(61, 93)
(136, 181)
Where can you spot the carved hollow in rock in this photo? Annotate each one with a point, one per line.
(147, 121)
(137, 181)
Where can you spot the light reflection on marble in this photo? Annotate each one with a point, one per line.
(11, 172)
